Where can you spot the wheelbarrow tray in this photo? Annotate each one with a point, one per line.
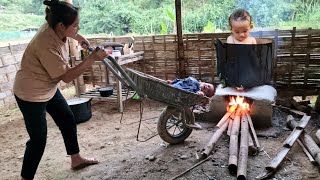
(158, 89)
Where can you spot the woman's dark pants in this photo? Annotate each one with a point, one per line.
(34, 114)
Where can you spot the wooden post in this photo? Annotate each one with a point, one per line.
(182, 68)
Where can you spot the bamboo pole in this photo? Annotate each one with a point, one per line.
(233, 145)
(226, 116)
(213, 140)
(243, 153)
(307, 141)
(305, 150)
(252, 148)
(318, 134)
(229, 126)
(253, 131)
(283, 151)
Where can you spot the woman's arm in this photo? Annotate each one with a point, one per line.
(81, 39)
(76, 71)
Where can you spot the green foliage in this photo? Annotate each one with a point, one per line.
(119, 17)
(19, 21)
(209, 28)
(170, 15)
(164, 29)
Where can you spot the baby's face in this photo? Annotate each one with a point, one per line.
(241, 29)
(207, 89)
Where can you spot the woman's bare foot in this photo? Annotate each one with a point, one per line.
(79, 162)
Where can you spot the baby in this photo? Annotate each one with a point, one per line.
(241, 24)
(193, 85)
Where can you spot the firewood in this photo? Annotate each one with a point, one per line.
(293, 112)
(305, 150)
(318, 135)
(283, 102)
(283, 151)
(243, 151)
(307, 140)
(233, 144)
(226, 116)
(229, 126)
(300, 107)
(252, 148)
(253, 131)
(213, 140)
(304, 102)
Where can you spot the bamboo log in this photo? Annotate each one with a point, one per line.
(252, 148)
(253, 131)
(233, 145)
(318, 134)
(229, 126)
(226, 116)
(305, 150)
(213, 140)
(307, 140)
(243, 153)
(283, 151)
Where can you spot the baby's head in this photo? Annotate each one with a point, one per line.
(207, 88)
(240, 23)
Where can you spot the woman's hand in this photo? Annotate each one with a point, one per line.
(99, 54)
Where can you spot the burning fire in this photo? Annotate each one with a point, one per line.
(237, 101)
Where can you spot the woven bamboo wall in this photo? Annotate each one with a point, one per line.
(297, 57)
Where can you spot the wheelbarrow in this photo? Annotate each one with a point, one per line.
(174, 122)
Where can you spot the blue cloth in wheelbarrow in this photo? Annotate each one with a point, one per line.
(159, 90)
(187, 84)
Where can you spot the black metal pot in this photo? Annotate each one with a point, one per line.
(106, 91)
(245, 65)
(81, 108)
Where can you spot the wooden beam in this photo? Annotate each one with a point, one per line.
(182, 68)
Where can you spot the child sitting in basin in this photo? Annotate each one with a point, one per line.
(193, 85)
(241, 24)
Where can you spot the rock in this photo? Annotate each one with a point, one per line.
(152, 158)
(183, 157)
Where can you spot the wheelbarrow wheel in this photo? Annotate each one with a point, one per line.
(171, 127)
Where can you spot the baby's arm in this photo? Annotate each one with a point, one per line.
(230, 40)
(254, 40)
(200, 93)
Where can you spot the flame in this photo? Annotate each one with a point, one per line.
(238, 101)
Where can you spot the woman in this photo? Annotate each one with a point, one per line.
(44, 64)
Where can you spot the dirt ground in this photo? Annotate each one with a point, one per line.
(123, 157)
